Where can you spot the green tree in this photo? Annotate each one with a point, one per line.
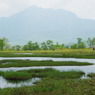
(93, 42)
(44, 46)
(36, 46)
(49, 44)
(74, 46)
(30, 45)
(89, 42)
(80, 43)
(25, 47)
(3, 43)
(16, 47)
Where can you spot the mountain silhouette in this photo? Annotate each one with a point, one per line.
(39, 24)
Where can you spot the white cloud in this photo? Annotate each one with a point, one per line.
(83, 8)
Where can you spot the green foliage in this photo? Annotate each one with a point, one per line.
(16, 47)
(47, 45)
(74, 46)
(90, 42)
(3, 43)
(31, 46)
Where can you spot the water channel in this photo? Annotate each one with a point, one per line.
(87, 69)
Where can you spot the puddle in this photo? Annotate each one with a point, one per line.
(24, 53)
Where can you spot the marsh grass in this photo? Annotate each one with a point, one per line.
(28, 63)
(41, 73)
(74, 53)
(50, 86)
(1, 73)
(54, 82)
(52, 73)
(91, 75)
(11, 75)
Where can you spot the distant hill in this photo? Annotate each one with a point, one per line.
(38, 24)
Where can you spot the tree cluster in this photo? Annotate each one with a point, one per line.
(48, 45)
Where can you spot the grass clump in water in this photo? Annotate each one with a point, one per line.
(52, 73)
(28, 63)
(11, 75)
(91, 75)
(1, 73)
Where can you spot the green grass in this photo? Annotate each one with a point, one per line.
(50, 86)
(28, 63)
(41, 73)
(54, 82)
(91, 75)
(11, 75)
(65, 53)
(1, 73)
(52, 73)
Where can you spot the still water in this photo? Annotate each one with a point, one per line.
(4, 83)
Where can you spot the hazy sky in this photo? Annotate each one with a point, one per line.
(82, 8)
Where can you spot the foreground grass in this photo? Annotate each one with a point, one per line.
(28, 63)
(74, 53)
(91, 75)
(54, 82)
(50, 86)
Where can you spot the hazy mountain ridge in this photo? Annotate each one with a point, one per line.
(38, 24)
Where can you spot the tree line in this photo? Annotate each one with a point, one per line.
(47, 45)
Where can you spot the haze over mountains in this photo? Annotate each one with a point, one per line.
(38, 24)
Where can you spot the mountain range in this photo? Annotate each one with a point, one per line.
(39, 24)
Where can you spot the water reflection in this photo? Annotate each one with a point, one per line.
(5, 83)
(86, 69)
(49, 58)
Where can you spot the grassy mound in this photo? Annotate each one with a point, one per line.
(16, 75)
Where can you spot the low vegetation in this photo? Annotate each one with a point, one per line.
(1, 73)
(91, 75)
(42, 73)
(61, 53)
(28, 63)
(11, 75)
(48, 86)
(52, 73)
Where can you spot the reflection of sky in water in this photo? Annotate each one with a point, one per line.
(50, 58)
(5, 84)
(86, 69)
(24, 53)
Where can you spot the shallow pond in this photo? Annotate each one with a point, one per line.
(6, 83)
(86, 69)
(49, 58)
(24, 53)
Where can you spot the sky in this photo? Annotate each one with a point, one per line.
(82, 8)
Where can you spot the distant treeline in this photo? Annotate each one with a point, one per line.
(48, 45)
